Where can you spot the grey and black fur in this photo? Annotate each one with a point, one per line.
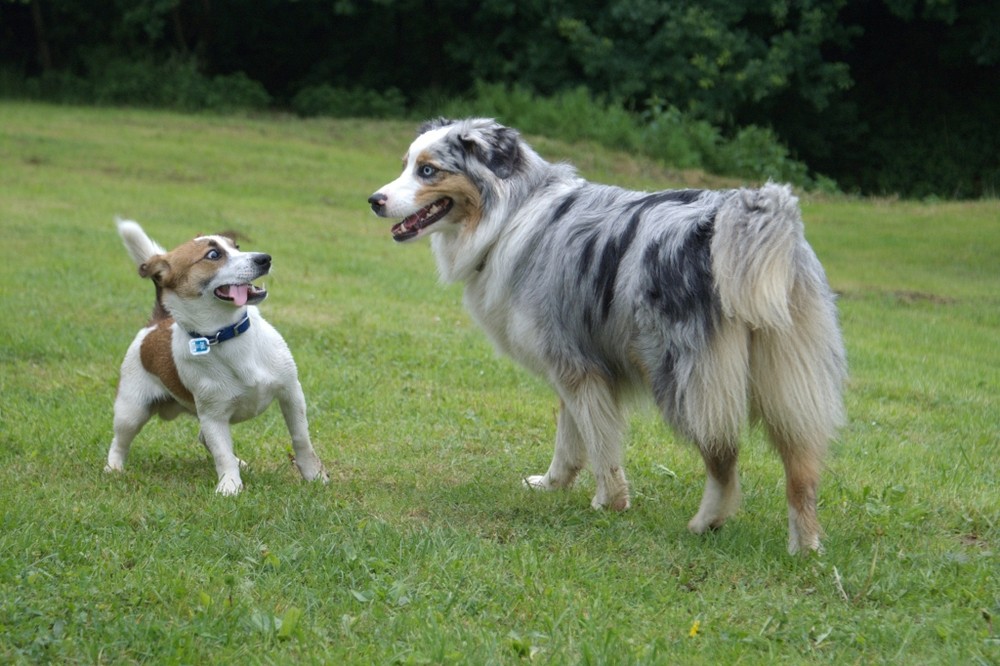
(710, 300)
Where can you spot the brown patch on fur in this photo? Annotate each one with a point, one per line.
(160, 312)
(185, 269)
(468, 202)
(621, 501)
(158, 358)
(802, 472)
(720, 462)
(801, 480)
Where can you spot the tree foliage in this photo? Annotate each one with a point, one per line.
(882, 95)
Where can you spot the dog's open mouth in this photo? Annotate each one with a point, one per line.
(240, 294)
(411, 226)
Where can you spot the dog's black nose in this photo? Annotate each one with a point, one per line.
(377, 201)
(262, 260)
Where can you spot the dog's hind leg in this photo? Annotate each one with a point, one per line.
(569, 458)
(130, 417)
(797, 379)
(803, 462)
(711, 409)
(598, 417)
(721, 497)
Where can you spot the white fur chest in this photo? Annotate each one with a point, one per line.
(239, 378)
(513, 331)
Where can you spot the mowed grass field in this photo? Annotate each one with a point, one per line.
(424, 548)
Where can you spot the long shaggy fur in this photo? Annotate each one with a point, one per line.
(712, 301)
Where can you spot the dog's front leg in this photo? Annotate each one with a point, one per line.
(293, 408)
(219, 442)
(569, 458)
(599, 420)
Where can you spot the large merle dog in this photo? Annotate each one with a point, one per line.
(711, 300)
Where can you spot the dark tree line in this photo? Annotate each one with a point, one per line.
(881, 95)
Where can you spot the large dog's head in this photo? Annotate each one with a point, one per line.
(450, 172)
(204, 282)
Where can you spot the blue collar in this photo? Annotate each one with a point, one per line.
(200, 344)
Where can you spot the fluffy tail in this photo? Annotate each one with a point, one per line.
(140, 247)
(757, 235)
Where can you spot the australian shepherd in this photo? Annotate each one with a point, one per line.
(712, 301)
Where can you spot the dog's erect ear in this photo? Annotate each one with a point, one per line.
(157, 268)
(496, 146)
(434, 124)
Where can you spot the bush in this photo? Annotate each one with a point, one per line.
(571, 115)
(661, 132)
(757, 153)
(234, 92)
(172, 84)
(326, 100)
(678, 140)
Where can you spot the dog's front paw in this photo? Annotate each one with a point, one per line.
(311, 468)
(229, 484)
(612, 491)
(320, 475)
(618, 503)
(538, 482)
(112, 468)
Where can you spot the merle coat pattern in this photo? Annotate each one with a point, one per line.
(712, 301)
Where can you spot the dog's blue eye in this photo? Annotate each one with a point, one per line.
(213, 254)
(426, 171)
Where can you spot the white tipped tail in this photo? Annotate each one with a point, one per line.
(756, 236)
(140, 246)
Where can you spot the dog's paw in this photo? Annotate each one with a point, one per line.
(803, 534)
(311, 469)
(701, 524)
(538, 482)
(619, 503)
(811, 546)
(112, 468)
(320, 476)
(229, 484)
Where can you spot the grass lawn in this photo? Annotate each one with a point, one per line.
(424, 548)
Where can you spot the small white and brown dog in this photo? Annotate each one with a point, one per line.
(207, 351)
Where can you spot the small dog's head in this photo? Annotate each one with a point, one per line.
(207, 278)
(450, 173)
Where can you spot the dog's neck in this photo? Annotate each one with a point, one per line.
(201, 317)
(226, 332)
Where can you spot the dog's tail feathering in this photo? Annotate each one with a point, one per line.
(140, 246)
(757, 236)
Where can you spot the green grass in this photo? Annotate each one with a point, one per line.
(424, 548)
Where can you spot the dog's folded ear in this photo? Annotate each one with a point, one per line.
(496, 146)
(233, 235)
(157, 268)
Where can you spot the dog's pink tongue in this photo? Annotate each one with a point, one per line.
(238, 292)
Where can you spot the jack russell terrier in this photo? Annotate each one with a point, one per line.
(207, 351)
